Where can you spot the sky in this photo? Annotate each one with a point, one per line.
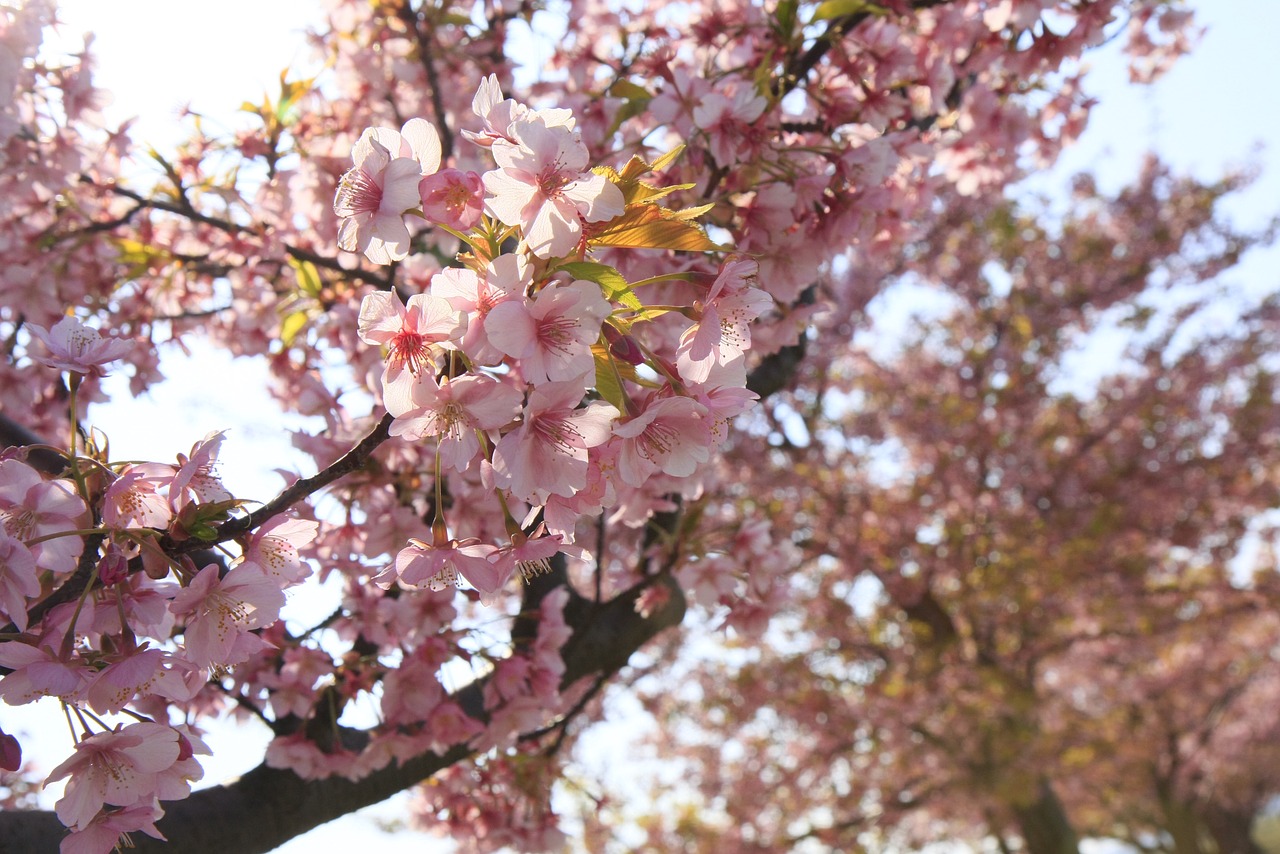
(156, 56)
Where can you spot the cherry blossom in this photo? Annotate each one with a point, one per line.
(413, 334)
(104, 830)
(543, 187)
(77, 348)
(197, 478)
(382, 186)
(454, 411)
(120, 767)
(219, 612)
(32, 508)
(552, 336)
(274, 548)
(449, 564)
(453, 198)
(669, 435)
(139, 497)
(18, 581)
(476, 294)
(722, 333)
(547, 453)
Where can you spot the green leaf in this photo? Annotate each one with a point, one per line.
(614, 285)
(841, 8)
(785, 17)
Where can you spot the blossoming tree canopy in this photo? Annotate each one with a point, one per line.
(558, 315)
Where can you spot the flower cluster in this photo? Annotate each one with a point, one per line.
(117, 635)
(527, 362)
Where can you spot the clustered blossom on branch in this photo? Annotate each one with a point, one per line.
(527, 363)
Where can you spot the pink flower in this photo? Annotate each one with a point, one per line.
(382, 186)
(102, 834)
(543, 187)
(118, 768)
(531, 555)
(135, 499)
(38, 672)
(454, 411)
(121, 682)
(31, 507)
(274, 548)
(437, 567)
(669, 435)
(452, 197)
(18, 581)
(78, 348)
(728, 119)
(499, 114)
(547, 453)
(412, 334)
(551, 337)
(723, 332)
(197, 479)
(723, 403)
(220, 611)
(506, 278)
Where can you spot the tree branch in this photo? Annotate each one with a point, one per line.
(268, 806)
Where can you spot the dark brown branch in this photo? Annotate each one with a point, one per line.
(352, 461)
(268, 806)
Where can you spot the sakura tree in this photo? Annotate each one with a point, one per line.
(547, 331)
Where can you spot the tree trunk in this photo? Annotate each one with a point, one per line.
(1044, 825)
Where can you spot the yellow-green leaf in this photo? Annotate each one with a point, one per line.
(840, 8)
(308, 277)
(652, 227)
(607, 383)
(614, 285)
(291, 325)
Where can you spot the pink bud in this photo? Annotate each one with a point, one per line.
(114, 566)
(10, 752)
(185, 751)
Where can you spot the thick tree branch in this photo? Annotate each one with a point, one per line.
(268, 806)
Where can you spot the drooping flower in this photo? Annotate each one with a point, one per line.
(454, 411)
(18, 581)
(117, 768)
(102, 833)
(38, 672)
(437, 567)
(77, 348)
(219, 610)
(374, 195)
